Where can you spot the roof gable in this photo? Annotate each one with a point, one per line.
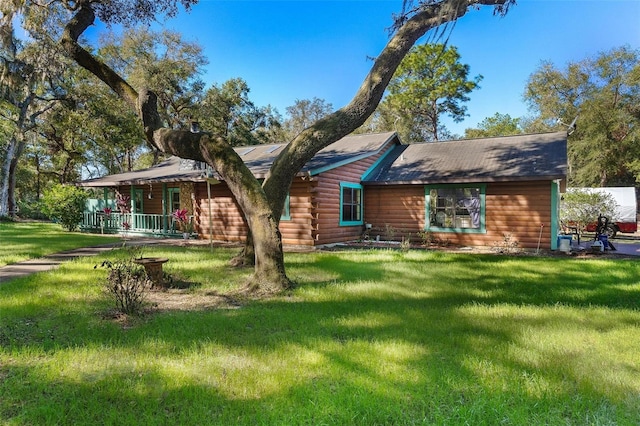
(509, 158)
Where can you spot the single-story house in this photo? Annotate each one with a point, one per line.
(468, 192)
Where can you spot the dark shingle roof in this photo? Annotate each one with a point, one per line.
(510, 158)
(257, 157)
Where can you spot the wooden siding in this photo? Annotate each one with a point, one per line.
(517, 209)
(401, 207)
(226, 222)
(297, 230)
(326, 227)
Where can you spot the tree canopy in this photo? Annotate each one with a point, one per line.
(303, 113)
(603, 92)
(429, 83)
(496, 125)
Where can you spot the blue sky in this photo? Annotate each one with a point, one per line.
(288, 50)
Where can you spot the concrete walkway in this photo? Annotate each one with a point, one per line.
(52, 261)
(622, 248)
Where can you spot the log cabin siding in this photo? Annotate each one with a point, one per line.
(518, 209)
(297, 229)
(326, 201)
(226, 222)
(400, 208)
(515, 209)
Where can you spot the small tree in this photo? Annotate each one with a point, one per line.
(65, 204)
(581, 207)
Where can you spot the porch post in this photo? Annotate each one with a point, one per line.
(165, 223)
(132, 195)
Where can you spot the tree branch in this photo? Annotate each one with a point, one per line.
(344, 121)
(84, 18)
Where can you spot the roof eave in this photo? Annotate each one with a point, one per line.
(466, 180)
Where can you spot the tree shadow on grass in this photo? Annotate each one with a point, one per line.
(451, 342)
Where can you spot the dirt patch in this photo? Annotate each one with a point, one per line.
(178, 299)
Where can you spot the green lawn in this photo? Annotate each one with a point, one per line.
(371, 337)
(26, 240)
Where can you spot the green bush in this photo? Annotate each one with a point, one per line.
(580, 207)
(65, 204)
(31, 210)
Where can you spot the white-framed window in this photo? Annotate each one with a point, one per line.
(455, 208)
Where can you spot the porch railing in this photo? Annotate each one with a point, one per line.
(135, 222)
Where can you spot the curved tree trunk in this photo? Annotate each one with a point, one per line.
(269, 272)
(247, 256)
(262, 206)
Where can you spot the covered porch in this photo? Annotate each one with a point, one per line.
(143, 202)
(130, 223)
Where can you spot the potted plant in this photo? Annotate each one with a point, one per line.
(184, 222)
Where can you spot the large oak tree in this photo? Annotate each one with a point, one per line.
(261, 203)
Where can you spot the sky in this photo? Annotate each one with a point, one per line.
(289, 50)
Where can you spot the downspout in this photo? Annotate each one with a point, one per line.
(210, 218)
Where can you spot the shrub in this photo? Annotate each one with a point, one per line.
(126, 283)
(405, 244)
(508, 245)
(31, 210)
(426, 237)
(65, 204)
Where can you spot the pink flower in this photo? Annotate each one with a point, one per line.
(126, 225)
(123, 202)
(107, 211)
(181, 215)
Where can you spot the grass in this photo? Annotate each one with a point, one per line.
(26, 240)
(371, 337)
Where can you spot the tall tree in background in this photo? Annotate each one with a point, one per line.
(227, 110)
(429, 83)
(604, 93)
(29, 87)
(497, 125)
(261, 204)
(303, 113)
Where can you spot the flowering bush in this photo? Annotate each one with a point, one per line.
(123, 203)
